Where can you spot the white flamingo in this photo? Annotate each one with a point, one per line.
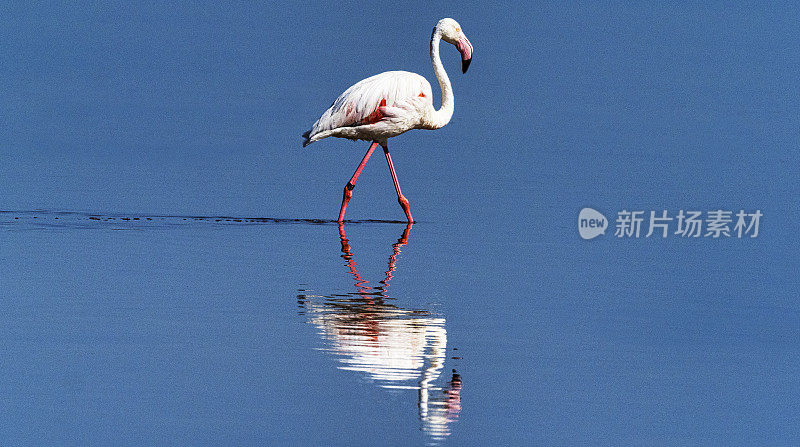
(390, 103)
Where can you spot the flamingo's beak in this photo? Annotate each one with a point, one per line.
(465, 48)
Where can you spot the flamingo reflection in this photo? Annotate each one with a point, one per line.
(396, 347)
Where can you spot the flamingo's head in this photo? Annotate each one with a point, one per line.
(452, 33)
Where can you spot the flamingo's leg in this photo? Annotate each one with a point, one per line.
(400, 197)
(348, 188)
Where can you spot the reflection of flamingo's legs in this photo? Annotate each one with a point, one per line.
(347, 255)
(396, 251)
(351, 263)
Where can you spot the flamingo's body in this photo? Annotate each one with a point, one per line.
(389, 104)
(377, 108)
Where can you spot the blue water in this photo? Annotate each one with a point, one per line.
(170, 274)
(191, 330)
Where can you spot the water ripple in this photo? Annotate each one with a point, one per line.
(44, 219)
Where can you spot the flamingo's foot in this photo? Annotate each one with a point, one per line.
(404, 204)
(346, 196)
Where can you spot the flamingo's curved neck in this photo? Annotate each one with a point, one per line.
(442, 116)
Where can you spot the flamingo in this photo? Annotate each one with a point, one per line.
(389, 104)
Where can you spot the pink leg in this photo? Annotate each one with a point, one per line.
(348, 188)
(400, 198)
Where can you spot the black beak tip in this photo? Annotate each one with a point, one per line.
(465, 64)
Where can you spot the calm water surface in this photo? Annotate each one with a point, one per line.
(123, 329)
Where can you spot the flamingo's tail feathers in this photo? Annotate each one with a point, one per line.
(312, 136)
(307, 136)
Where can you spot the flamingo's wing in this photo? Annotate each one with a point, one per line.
(361, 104)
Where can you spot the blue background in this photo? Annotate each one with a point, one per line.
(197, 109)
